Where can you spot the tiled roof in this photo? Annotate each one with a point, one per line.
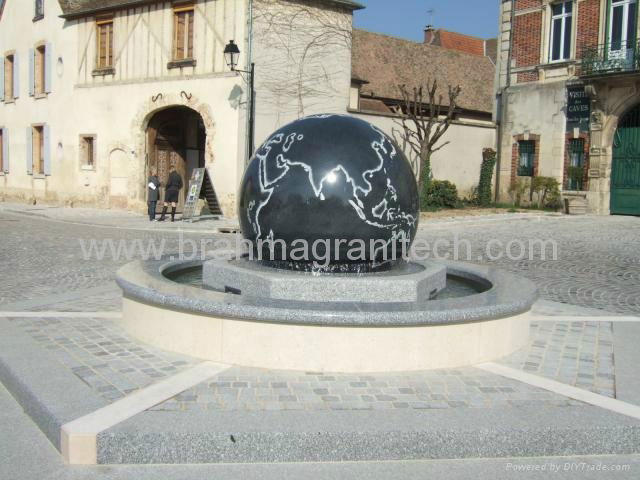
(72, 8)
(458, 41)
(386, 62)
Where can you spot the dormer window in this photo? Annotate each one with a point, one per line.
(38, 10)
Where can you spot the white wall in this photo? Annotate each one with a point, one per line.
(302, 52)
(460, 161)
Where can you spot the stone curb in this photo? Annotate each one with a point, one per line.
(293, 436)
(49, 393)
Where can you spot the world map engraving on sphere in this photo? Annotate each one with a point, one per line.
(330, 177)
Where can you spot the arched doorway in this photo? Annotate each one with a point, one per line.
(175, 135)
(625, 169)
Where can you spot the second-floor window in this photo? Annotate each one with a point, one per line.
(104, 46)
(561, 30)
(623, 21)
(183, 32)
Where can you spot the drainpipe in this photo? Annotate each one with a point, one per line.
(502, 110)
(250, 101)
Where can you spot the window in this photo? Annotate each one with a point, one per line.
(576, 164)
(9, 67)
(183, 32)
(88, 151)
(622, 27)
(37, 152)
(527, 151)
(104, 47)
(40, 69)
(39, 10)
(561, 30)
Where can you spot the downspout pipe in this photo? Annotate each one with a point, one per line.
(503, 97)
(251, 99)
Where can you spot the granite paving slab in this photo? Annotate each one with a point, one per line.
(579, 354)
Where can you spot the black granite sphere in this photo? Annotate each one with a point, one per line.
(337, 183)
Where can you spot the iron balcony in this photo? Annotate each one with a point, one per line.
(610, 59)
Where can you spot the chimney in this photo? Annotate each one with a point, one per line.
(429, 34)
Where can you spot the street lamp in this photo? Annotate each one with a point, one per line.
(231, 55)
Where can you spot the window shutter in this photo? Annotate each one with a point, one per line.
(190, 34)
(32, 72)
(5, 149)
(47, 150)
(47, 68)
(29, 150)
(2, 80)
(16, 76)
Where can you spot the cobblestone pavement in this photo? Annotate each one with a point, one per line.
(575, 353)
(100, 354)
(598, 262)
(114, 365)
(254, 389)
(598, 257)
(597, 266)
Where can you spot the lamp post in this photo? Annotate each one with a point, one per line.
(231, 55)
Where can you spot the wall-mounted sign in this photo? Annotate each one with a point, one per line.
(578, 109)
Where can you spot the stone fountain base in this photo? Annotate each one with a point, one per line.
(328, 336)
(407, 282)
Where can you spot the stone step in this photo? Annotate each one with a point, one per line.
(577, 205)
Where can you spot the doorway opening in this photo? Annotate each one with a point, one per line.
(625, 171)
(175, 135)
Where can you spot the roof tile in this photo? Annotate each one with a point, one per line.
(386, 62)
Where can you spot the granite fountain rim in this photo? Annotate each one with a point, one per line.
(509, 295)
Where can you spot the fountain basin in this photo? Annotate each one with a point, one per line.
(327, 336)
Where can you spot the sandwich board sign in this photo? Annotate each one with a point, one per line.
(193, 193)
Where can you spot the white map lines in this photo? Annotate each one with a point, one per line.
(383, 215)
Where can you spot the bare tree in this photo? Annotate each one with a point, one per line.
(302, 65)
(423, 120)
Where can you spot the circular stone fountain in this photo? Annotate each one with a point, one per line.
(347, 302)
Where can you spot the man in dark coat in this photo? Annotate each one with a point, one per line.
(172, 190)
(153, 195)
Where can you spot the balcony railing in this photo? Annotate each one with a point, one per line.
(610, 58)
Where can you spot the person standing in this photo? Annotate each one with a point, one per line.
(153, 195)
(173, 187)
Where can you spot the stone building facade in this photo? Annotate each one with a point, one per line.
(96, 93)
(567, 87)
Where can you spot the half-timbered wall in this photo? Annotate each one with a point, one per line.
(143, 41)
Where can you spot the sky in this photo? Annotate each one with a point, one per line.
(407, 18)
